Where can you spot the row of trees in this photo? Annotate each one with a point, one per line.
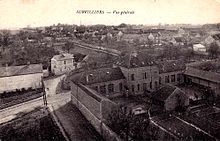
(29, 54)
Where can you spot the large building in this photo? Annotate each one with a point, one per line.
(145, 75)
(62, 63)
(140, 72)
(14, 78)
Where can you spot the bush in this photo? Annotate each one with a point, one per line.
(23, 89)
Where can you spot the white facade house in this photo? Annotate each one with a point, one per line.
(63, 63)
(14, 78)
(199, 48)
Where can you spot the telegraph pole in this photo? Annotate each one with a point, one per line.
(44, 93)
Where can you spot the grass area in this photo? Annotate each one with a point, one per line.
(36, 125)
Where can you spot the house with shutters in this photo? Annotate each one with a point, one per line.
(63, 63)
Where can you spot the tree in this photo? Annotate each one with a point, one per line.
(213, 50)
(122, 25)
(68, 45)
(188, 54)
(127, 125)
(5, 39)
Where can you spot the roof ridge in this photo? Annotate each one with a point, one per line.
(22, 68)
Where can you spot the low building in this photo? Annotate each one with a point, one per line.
(178, 41)
(170, 97)
(199, 48)
(62, 63)
(14, 78)
(213, 37)
(171, 72)
(108, 82)
(206, 74)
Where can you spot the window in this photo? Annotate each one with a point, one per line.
(132, 88)
(144, 86)
(132, 77)
(173, 78)
(102, 89)
(111, 88)
(64, 62)
(167, 79)
(178, 77)
(145, 75)
(138, 87)
(120, 87)
(159, 80)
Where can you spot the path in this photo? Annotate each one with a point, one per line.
(74, 124)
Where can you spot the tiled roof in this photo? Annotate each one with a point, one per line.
(210, 65)
(98, 76)
(141, 37)
(20, 70)
(134, 60)
(164, 92)
(206, 75)
(64, 56)
(171, 65)
(179, 39)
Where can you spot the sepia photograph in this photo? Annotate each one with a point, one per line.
(109, 70)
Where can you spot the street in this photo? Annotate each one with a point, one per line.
(73, 122)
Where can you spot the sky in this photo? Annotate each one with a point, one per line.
(23, 13)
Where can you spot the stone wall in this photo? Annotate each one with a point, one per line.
(21, 81)
(94, 107)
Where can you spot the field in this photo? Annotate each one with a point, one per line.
(36, 125)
